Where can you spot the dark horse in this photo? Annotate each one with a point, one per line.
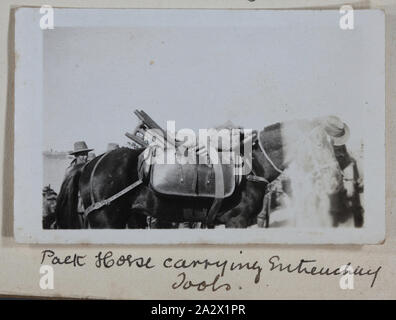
(274, 149)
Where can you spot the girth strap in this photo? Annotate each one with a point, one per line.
(219, 189)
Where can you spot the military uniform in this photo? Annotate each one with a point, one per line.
(348, 199)
(49, 203)
(80, 153)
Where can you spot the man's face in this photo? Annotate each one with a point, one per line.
(82, 158)
(49, 206)
(52, 205)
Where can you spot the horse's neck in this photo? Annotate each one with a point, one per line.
(268, 158)
(277, 145)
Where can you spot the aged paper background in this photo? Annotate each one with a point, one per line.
(19, 264)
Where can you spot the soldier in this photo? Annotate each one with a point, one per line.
(347, 201)
(46, 190)
(49, 204)
(337, 130)
(80, 154)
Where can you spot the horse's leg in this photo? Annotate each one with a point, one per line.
(161, 211)
(142, 218)
(242, 215)
(110, 217)
(137, 220)
(263, 216)
(98, 219)
(162, 224)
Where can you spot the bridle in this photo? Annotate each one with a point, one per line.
(253, 176)
(267, 157)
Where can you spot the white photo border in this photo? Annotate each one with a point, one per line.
(28, 160)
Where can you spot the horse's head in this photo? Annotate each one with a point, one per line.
(305, 146)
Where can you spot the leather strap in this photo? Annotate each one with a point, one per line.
(267, 157)
(255, 178)
(106, 202)
(219, 189)
(91, 178)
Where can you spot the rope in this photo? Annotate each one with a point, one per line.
(267, 157)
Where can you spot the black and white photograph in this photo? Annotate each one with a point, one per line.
(199, 126)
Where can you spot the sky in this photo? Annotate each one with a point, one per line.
(202, 74)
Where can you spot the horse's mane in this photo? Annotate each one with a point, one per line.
(67, 201)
